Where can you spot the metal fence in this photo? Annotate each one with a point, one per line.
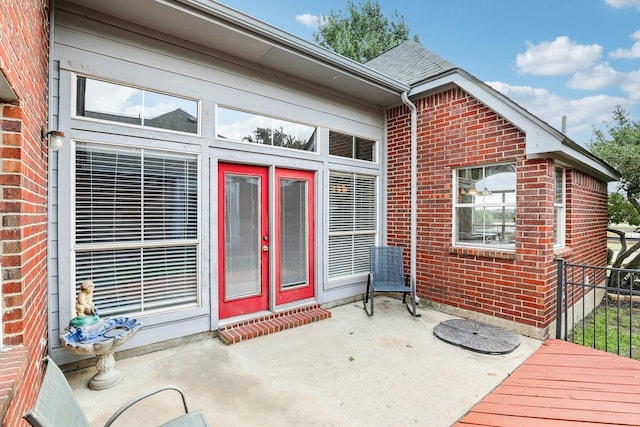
(599, 307)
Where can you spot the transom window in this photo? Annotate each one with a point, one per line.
(352, 147)
(352, 222)
(242, 126)
(113, 102)
(485, 206)
(559, 207)
(136, 228)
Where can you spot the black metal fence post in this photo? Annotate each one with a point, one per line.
(559, 297)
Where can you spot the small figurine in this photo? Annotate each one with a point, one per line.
(84, 302)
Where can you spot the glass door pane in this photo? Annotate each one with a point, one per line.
(243, 229)
(294, 234)
(294, 231)
(242, 236)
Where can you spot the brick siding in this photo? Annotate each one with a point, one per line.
(456, 130)
(23, 203)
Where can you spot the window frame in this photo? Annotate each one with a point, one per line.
(358, 262)
(354, 142)
(146, 242)
(486, 241)
(75, 115)
(272, 120)
(559, 208)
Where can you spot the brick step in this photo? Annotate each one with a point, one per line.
(247, 329)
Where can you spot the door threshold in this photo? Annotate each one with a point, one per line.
(242, 330)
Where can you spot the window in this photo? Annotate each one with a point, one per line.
(136, 228)
(352, 222)
(558, 207)
(485, 206)
(248, 127)
(114, 102)
(351, 146)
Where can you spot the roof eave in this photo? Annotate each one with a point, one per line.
(226, 30)
(296, 44)
(541, 139)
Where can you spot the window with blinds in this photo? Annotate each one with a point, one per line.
(136, 228)
(352, 222)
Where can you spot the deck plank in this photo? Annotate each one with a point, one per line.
(573, 414)
(495, 420)
(555, 403)
(565, 385)
(567, 393)
(575, 385)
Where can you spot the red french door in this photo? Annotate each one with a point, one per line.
(245, 245)
(294, 235)
(243, 227)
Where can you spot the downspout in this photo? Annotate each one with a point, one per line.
(414, 186)
(51, 247)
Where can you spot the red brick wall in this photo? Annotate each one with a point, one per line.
(455, 130)
(586, 218)
(23, 195)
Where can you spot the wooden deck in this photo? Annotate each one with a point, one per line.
(564, 385)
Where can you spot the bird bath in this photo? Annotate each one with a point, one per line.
(90, 335)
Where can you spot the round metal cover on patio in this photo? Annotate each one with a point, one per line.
(477, 336)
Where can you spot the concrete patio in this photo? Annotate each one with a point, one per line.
(349, 370)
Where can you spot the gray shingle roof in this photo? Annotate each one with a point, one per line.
(410, 63)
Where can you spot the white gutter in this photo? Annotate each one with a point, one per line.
(414, 186)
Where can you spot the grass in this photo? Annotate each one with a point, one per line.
(613, 329)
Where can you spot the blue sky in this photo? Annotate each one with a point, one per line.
(574, 58)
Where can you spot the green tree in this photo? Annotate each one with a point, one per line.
(622, 211)
(619, 145)
(363, 33)
(277, 138)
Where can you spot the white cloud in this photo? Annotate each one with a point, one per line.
(631, 85)
(308, 20)
(582, 113)
(109, 98)
(619, 4)
(634, 52)
(523, 95)
(561, 56)
(601, 75)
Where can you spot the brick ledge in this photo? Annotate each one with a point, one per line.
(12, 365)
(272, 323)
(482, 252)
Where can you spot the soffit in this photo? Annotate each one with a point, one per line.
(6, 92)
(218, 27)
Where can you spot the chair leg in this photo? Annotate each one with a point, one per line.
(412, 309)
(368, 296)
(370, 299)
(365, 297)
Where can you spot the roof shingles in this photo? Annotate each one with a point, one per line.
(410, 63)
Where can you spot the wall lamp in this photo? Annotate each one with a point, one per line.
(55, 138)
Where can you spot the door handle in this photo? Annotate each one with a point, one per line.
(265, 248)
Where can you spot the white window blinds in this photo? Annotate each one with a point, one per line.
(352, 222)
(136, 229)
